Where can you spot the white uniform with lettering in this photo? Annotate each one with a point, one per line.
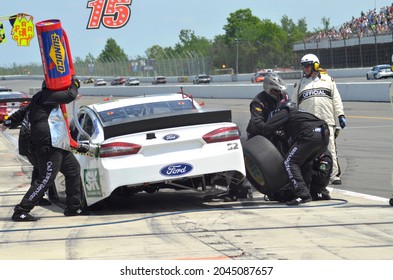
(320, 97)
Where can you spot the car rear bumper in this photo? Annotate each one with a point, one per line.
(384, 75)
(137, 170)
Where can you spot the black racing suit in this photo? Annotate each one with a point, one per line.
(261, 108)
(321, 170)
(50, 160)
(21, 117)
(307, 136)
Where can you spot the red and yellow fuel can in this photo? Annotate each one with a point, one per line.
(55, 54)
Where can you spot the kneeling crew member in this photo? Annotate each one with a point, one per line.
(307, 136)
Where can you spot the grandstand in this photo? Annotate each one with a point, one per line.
(363, 41)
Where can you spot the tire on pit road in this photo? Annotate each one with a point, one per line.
(264, 165)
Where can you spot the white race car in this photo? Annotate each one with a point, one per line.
(153, 142)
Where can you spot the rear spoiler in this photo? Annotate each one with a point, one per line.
(15, 100)
(168, 120)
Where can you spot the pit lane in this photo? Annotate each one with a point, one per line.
(182, 226)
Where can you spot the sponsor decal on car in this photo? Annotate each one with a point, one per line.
(91, 178)
(176, 169)
(170, 137)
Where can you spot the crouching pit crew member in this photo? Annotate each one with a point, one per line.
(307, 136)
(261, 107)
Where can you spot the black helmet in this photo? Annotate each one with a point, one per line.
(274, 85)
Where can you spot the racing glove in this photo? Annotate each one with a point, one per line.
(7, 122)
(76, 82)
(342, 121)
(83, 148)
(280, 134)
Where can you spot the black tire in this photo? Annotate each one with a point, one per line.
(391, 201)
(367, 77)
(264, 165)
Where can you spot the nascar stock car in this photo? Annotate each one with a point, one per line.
(148, 143)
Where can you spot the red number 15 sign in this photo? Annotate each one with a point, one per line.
(111, 13)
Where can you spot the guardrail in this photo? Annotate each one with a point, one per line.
(367, 91)
(359, 91)
(290, 75)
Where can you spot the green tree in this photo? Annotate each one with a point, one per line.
(190, 42)
(241, 36)
(112, 52)
(154, 52)
(272, 41)
(302, 26)
(89, 58)
(256, 43)
(221, 53)
(295, 33)
(248, 41)
(77, 60)
(238, 22)
(326, 24)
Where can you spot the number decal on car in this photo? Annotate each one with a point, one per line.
(232, 146)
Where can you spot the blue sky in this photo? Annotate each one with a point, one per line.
(158, 22)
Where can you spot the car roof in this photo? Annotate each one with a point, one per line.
(118, 103)
(117, 117)
(4, 88)
(383, 65)
(7, 95)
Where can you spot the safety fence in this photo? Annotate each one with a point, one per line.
(336, 53)
(170, 66)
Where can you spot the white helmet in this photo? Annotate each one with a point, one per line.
(310, 59)
(274, 85)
